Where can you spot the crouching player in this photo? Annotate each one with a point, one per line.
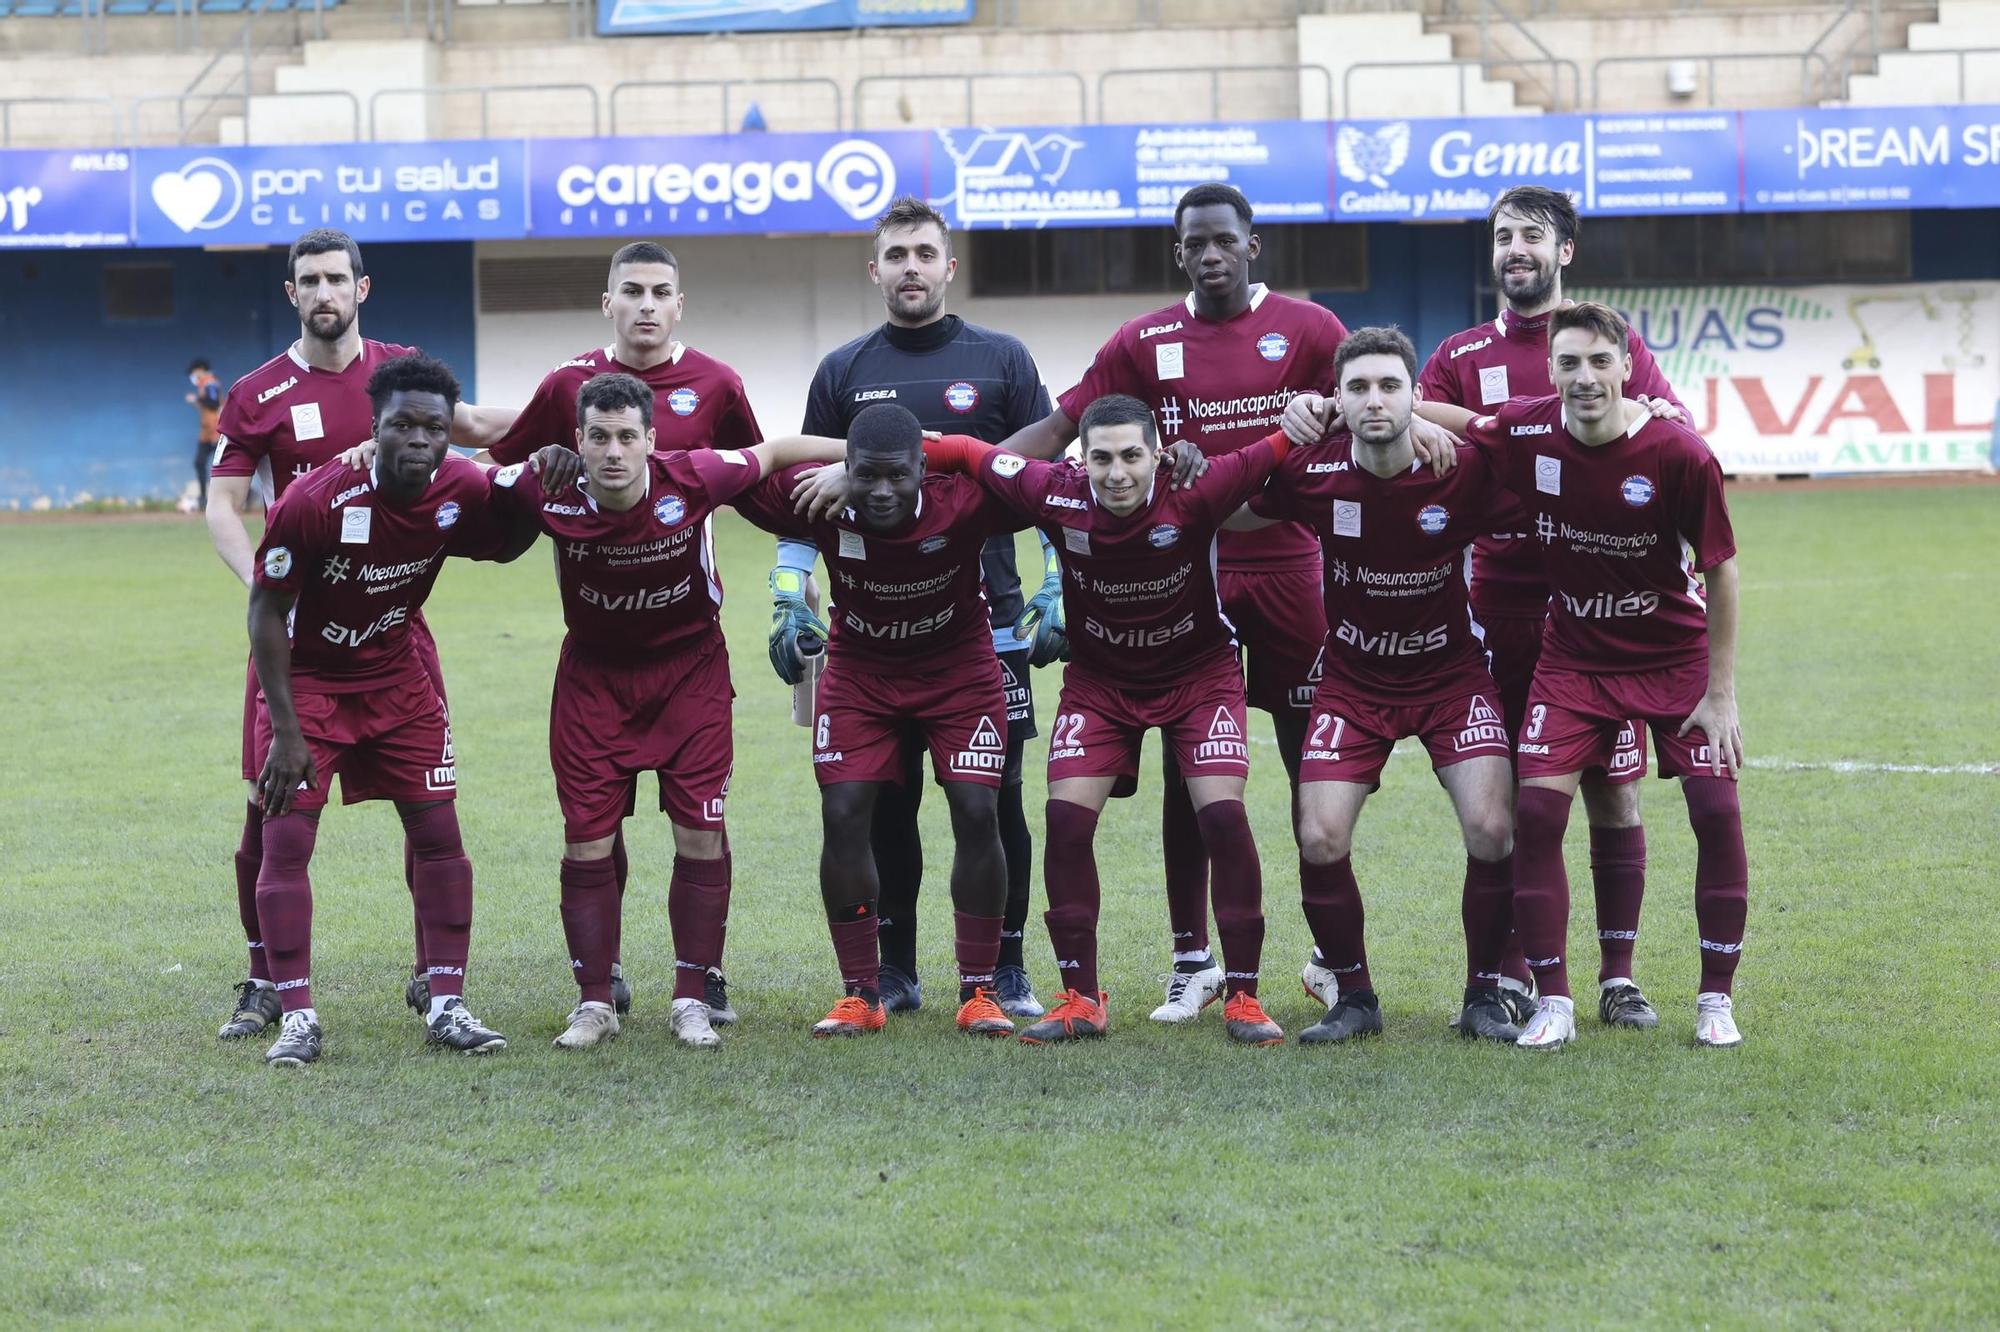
(642, 684)
(1151, 649)
(344, 567)
(910, 651)
(1627, 509)
(1403, 658)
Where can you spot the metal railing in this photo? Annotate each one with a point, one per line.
(1464, 67)
(1709, 59)
(8, 104)
(485, 91)
(1215, 73)
(1066, 76)
(728, 88)
(210, 102)
(1959, 54)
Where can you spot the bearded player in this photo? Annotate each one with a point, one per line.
(1403, 658)
(344, 567)
(1627, 509)
(910, 660)
(642, 684)
(279, 422)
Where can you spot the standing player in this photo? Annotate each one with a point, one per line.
(954, 377)
(910, 661)
(1403, 659)
(1152, 649)
(205, 396)
(1627, 509)
(642, 684)
(1217, 368)
(288, 416)
(342, 571)
(699, 400)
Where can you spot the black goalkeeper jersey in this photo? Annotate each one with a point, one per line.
(955, 378)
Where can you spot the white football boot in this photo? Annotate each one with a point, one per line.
(589, 1024)
(1715, 1021)
(1553, 1025)
(1188, 992)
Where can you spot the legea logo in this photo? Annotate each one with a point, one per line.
(855, 174)
(203, 195)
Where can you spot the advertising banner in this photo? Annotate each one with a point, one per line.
(1829, 379)
(623, 17)
(1440, 170)
(461, 189)
(65, 200)
(1871, 157)
(1118, 175)
(720, 183)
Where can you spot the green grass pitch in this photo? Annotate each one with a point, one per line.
(1839, 1170)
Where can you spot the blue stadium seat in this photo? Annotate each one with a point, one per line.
(129, 7)
(221, 6)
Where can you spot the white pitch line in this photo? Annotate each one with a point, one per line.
(1852, 765)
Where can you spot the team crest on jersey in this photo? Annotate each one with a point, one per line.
(961, 397)
(447, 515)
(1637, 490)
(683, 401)
(1432, 518)
(932, 545)
(670, 509)
(277, 562)
(1163, 536)
(1273, 346)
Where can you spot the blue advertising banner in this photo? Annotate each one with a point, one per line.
(1407, 170)
(1111, 175)
(1871, 157)
(720, 183)
(462, 189)
(619, 17)
(65, 200)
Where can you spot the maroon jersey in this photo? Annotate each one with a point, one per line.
(907, 601)
(1398, 628)
(1224, 386)
(285, 418)
(1139, 591)
(698, 403)
(1478, 370)
(361, 568)
(1622, 528)
(642, 582)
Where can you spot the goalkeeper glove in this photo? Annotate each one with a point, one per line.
(1043, 620)
(796, 633)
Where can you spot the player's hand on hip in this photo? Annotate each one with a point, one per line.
(820, 492)
(1306, 418)
(1188, 462)
(1434, 444)
(1663, 409)
(1716, 718)
(288, 766)
(361, 457)
(557, 467)
(797, 635)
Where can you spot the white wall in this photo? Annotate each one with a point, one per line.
(772, 306)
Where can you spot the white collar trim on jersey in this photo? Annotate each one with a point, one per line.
(298, 360)
(674, 350)
(1354, 458)
(1258, 291)
(1631, 431)
(854, 519)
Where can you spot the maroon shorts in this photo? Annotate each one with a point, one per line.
(390, 743)
(863, 719)
(1577, 722)
(1515, 643)
(253, 751)
(1098, 727)
(610, 721)
(1348, 738)
(1280, 619)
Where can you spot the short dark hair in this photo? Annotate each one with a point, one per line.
(884, 427)
(644, 252)
(906, 211)
(324, 240)
(614, 393)
(412, 372)
(1214, 192)
(1552, 208)
(1597, 318)
(198, 363)
(1386, 341)
(1114, 409)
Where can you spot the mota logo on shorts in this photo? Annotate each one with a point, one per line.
(961, 397)
(985, 752)
(1163, 536)
(683, 401)
(670, 509)
(447, 515)
(1225, 741)
(1273, 346)
(1637, 490)
(1432, 518)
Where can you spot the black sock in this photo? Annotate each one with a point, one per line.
(1019, 846)
(899, 863)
